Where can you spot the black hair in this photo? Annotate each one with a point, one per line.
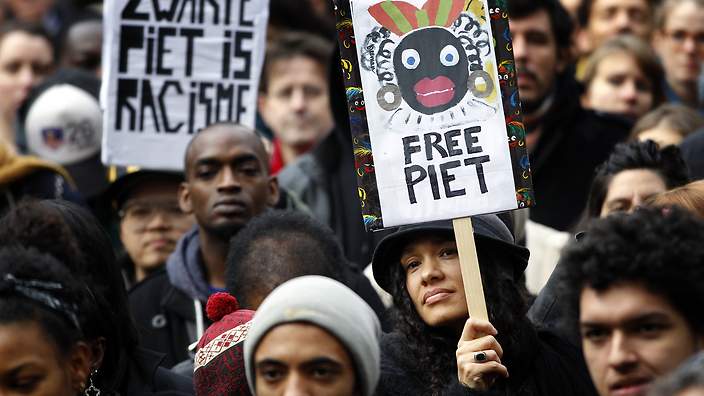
(299, 16)
(72, 235)
(31, 29)
(29, 265)
(667, 163)
(560, 20)
(433, 349)
(223, 125)
(275, 247)
(584, 11)
(661, 250)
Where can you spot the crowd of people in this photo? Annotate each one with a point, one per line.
(250, 272)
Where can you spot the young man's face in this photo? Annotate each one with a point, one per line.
(680, 43)
(296, 104)
(227, 180)
(630, 337)
(302, 359)
(609, 18)
(537, 57)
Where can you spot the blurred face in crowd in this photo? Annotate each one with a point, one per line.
(571, 7)
(151, 224)
(630, 188)
(303, 359)
(620, 87)
(29, 10)
(31, 364)
(630, 337)
(84, 42)
(25, 60)
(434, 280)
(680, 43)
(692, 391)
(227, 179)
(537, 57)
(609, 18)
(296, 104)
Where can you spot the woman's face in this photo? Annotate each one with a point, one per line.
(619, 86)
(434, 281)
(32, 365)
(25, 60)
(629, 189)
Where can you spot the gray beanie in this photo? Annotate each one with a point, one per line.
(333, 307)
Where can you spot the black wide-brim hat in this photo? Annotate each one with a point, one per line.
(490, 234)
(126, 181)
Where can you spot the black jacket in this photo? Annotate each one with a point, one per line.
(573, 142)
(547, 366)
(144, 376)
(165, 317)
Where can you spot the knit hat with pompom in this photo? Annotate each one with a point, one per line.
(219, 362)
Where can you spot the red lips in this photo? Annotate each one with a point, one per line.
(436, 92)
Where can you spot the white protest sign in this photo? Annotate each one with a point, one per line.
(434, 109)
(174, 67)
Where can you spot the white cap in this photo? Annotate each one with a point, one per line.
(64, 125)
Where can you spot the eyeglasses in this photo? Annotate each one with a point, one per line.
(142, 212)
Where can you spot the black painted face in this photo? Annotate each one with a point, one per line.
(432, 70)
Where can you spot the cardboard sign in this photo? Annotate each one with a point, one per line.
(174, 67)
(434, 109)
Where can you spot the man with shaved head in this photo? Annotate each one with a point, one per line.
(227, 182)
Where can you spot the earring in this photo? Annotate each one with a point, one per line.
(92, 390)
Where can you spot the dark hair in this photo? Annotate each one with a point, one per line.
(682, 119)
(584, 11)
(275, 247)
(29, 265)
(433, 349)
(560, 21)
(9, 27)
(299, 15)
(72, 235)
(667, 163)
(661, 250)
(296, 44)
(223, 125)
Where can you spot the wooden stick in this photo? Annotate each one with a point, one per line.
(469, 264)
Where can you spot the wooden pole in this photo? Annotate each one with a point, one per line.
(469, 264)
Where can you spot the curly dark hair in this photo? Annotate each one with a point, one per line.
(433, 349)
(28, 264)
(667, 163)
(560, 20)
(74, 237)
(275, 247)
(659, 249)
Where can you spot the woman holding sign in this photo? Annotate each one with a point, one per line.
(437, 349)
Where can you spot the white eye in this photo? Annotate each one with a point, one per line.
(410, 58)
(449, 56)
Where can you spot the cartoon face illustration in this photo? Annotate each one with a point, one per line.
(432, 69)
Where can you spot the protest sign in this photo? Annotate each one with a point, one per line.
(439, 135)
(435, 116)
(174, 67)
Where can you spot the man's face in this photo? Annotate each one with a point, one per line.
(152, 223)
(630, 337)
(537, 59)
(302, 359)
(296, 104)
(609, 18)
(631, 188)
(227, 180)
(680, 43)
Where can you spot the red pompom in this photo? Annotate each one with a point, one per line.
(219, 305)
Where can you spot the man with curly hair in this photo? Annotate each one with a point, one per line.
(634, 287)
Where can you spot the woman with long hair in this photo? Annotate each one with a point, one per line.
(437, 349)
